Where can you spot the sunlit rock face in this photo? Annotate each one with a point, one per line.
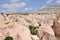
(23, 30)
(16, 30)
(2, 28)
(20, 32)
(45, 32)
(17, 26)
(2, 24)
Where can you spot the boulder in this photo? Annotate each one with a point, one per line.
(14, 29)
(45, 32)
(56, 25)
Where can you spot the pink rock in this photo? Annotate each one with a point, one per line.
(16, 30)
(45, 32)
(56, 26)
(20, 32)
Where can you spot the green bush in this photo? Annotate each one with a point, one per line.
(8, 38)
(33, 30)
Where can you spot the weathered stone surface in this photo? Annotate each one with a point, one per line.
(56, 26)
(18, 23)
(17, 30)
(45, 32)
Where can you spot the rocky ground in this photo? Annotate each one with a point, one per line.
(18, 25)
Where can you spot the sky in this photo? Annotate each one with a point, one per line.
(26, 5)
